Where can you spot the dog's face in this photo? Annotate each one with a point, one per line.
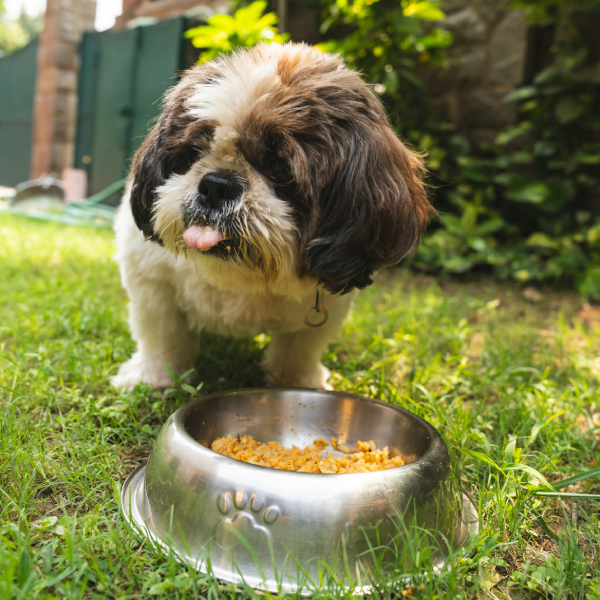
(278, 164)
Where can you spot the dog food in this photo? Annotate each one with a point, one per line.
(312, 459)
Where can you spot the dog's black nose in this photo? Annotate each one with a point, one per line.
(218, 187)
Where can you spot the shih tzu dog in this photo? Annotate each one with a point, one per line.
(270, 189)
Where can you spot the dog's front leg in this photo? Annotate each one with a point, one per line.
(294, 359)
(163, 338)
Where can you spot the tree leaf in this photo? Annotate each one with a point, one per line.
(528, 91)
(478, 244)
(250, 14)
(222, 22)
(541, 240)
(438, 38)
(587, 158)
(459, 264)
(189, 389)
(559, 193)
(425, 10)
(534, 192)
(489, 226)
(512, 133)
(453, 225)
(567, 109)
(468, 218)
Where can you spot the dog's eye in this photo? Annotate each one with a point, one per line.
(280, 173)
(275, 168)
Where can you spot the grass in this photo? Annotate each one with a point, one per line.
(513, 386)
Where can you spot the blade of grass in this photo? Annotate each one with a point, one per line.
(480, 457)
(531, 471)
(593, 474)
(542, 523)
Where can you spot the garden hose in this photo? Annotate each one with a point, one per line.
(85, 212)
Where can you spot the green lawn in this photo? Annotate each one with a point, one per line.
(498, 375)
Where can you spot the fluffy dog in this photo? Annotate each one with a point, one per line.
(271, 174)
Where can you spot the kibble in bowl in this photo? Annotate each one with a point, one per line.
(311, 459)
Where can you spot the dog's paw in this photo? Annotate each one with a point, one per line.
(142, 369)
(322, 377)
(315, 376)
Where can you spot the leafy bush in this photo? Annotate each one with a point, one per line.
(226, 33)
(542, 176)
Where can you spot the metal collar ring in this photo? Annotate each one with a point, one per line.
(323, 312)
(318, 308)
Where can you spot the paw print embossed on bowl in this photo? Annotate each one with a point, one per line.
(256, 524)
(250, 519)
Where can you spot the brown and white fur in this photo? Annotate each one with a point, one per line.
(289, 159)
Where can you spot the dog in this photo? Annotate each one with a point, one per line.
(270, 189)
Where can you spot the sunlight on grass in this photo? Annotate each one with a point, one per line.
(489, 369)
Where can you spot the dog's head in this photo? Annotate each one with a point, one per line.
(277, 163)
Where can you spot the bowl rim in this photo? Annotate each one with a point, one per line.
(437, 444)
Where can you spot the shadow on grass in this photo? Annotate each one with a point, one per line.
(225, 364)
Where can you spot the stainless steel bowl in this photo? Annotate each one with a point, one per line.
(275, 529)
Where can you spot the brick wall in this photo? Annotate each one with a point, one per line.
(55, 108)
(163, 9)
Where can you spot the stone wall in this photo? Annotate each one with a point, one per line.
(55, 108)
(487, 61)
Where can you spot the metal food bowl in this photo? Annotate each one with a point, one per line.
(276, 529)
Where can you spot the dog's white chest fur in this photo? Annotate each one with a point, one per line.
(236, 313)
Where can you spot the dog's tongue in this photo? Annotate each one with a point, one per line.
(202, 238)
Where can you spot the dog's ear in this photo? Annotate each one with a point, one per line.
(372, 213)
(172, 147)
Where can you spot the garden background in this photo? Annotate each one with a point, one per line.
(510, 379)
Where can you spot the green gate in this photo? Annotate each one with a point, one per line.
(17, 91)
(122, 79)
